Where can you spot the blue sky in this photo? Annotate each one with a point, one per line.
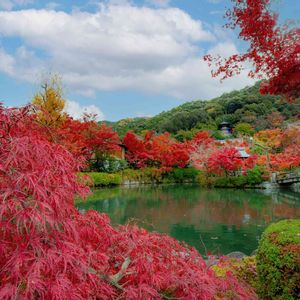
(118, 58)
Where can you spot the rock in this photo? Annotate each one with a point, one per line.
(236, 255)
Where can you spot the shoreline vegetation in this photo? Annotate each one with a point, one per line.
(129, 177)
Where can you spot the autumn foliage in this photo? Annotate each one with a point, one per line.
(49, 103)
(282, 148)
(227, 160)
(49, 250)
(220, 158)
(87, 138)
(156, 150)
(273, 49)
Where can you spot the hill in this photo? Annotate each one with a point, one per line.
(243, 106)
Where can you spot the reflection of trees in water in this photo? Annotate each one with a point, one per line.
(235, 217)
(219, 241)
(163, 205)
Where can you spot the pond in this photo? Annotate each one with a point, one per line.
(216, 221)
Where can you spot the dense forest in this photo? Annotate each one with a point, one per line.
(243, 106)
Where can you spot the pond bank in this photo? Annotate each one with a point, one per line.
(134, 178)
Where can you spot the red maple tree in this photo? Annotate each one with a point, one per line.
(87, 138)
(224, 160)
(227, 160)
(156, 150)
(274, 49)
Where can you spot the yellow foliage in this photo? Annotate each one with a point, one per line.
(49, 103)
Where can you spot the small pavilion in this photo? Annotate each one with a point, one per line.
(226, 128)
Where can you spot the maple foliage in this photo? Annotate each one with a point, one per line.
(225, 160)
(277, 140)
(41, 255)
(136, 153)
(87, 138)
(273, 49)
(155, 150)
(49, 250)
(212, 156)
(202, 147)
(290, 136)
(283, 161)
(282, 146)
(269, 138)
(287, 160)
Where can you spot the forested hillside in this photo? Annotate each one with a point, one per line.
(244, 106)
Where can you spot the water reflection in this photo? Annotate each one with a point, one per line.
(215, 221)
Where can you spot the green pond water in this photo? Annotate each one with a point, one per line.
(216, 221)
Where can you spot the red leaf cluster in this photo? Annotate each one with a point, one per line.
(229, 160)
(155, 150)
(274, 50)
(84, 138)
(281, 148)
(212, 156)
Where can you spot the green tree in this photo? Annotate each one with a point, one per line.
(244, 129)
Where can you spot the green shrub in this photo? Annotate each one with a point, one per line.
(244, 129)
(182, 175)
(231, 182)
(223, 182)
(239, 181)
(104, 179)
(246, 270)
(278, 261)
(205, 180)
(146, 175)
(154, 175)
(218, 135)
(255, 176)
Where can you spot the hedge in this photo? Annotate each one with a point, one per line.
(104, 179)
(183, 175)
(278, 261)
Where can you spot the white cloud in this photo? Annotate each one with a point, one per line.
(75, 110)
(192, 80)
(23, 64)
(224, 49)
(120, 47)
(7, 63)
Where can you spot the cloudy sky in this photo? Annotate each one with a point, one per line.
(118, 58)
